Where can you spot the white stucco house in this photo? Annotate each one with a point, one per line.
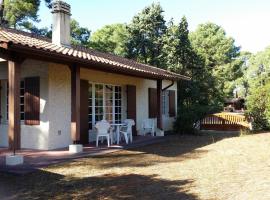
(52, 93)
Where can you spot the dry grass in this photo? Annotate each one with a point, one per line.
(187, 167)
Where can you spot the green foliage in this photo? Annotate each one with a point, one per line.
(79, 35)
(258, 70)
(35, 30)
(220, 55)
(239, 84)
(22, 14)
(194, 102)
(197, 97)
(48, 3)
(18, 12)
(145, 36)
(258, 104)
(111, 39)
(227, 75)
(212, 44)
(177, 50)
(245, 132)
(258, 81)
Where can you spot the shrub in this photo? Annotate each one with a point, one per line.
(194, 103)
(244, 132)
(258, 107)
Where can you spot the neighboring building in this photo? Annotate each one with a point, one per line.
(234, 105)
(52, 94)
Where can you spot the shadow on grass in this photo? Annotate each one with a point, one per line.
(178, 145)
(46, 185)
(176, 149)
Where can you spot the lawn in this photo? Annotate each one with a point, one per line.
(185, 167)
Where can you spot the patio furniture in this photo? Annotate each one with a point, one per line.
(117, 131)
(103, 130)
(126, 129)
(148, 126)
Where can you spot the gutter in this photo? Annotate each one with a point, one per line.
(167, 87)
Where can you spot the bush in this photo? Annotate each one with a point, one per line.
(244, 132)
(258, 107)
(194, 103)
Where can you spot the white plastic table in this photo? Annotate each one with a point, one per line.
(118, 125)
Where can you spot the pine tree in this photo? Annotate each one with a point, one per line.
(110, 38)
(197, 97)
(145, 34)
(21, 14)
(177, 48)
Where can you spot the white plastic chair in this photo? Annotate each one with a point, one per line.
(148, 126)
(103, 130)
(126, 130)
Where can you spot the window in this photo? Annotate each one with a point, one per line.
(98, 100)
(105, 101)
(22, 89)
(90, 107)
(165, 102)
(118, 103)
(109, 103)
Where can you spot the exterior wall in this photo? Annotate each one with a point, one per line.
(55, 109)
(142, 86)
(59, 106)
(33, 137)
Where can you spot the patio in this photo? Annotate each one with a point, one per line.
(35, 159)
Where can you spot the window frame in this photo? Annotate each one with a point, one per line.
(165, 103)
(93, 106)
(22, 101)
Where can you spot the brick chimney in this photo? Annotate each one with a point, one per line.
(61, 23)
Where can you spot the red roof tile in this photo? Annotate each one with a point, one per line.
(84, 54)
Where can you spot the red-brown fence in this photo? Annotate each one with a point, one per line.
(224, 122)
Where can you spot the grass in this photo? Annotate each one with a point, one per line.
(210, 166)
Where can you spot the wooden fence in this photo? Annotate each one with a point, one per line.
(224, 122)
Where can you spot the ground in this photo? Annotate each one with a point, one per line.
(215, 166)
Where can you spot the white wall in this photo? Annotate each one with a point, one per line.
(55, 110)
(142, 86)
(33, 137)
(59, 106)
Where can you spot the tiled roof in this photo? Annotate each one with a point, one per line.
(34, 42)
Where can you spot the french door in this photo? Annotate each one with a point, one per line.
(104, 102)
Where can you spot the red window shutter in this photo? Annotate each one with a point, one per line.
(32, 101)
(152, 95)
(172, 109)
(131, 106)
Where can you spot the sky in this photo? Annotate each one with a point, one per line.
(247, 21)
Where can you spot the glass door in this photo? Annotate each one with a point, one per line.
(105, 102)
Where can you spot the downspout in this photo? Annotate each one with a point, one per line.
(167, 87)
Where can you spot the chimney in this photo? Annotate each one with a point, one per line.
(61, 23)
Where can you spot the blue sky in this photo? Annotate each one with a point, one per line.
(247, 21)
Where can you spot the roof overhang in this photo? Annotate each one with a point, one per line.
(10, 48)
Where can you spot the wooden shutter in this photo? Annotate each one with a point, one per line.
(131, 106)
(172, 103)
(84, 127)
(32, 101)
(152, 100)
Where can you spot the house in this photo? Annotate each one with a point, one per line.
(52, 93)
(234, 105)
